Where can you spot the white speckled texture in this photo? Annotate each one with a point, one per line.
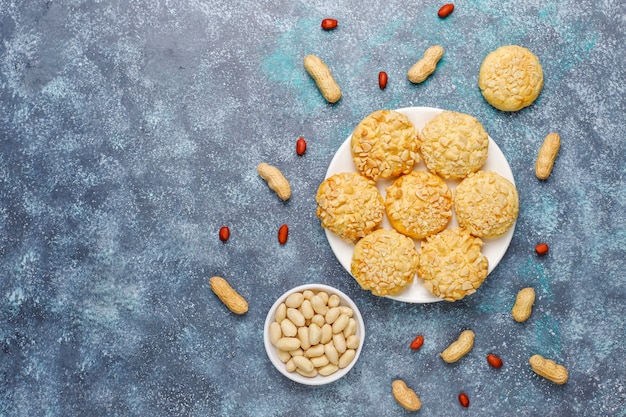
(130, 132)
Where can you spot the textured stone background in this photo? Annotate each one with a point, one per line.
(130, 132)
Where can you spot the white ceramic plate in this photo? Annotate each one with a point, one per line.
(494, 248)
(319, 379)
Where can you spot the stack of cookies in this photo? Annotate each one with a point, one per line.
(418, 204)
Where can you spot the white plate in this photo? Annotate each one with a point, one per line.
(273, 354)
(494, 248)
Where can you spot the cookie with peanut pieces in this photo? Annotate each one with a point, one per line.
(384, 145)
(418, 204)
(384, 262)
(454, 144)
(486, 204)
(510, 78)
(451, 264)
(349, 205)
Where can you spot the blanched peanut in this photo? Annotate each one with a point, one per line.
(405, 396)
(319, 305)
(350, 328)
(340, 342)
(290, 366)
(315, 334)
(523, 307)
(346, 310)
(303, 335)
(340, 324)
(327, 333)
(320, 361)
(547, 154)
(319, 320)
(332, 315)
(353, 342)
(284, 356)
(307, 310)
(549, 369)
(328, 369)
(331, 353)
(317, 350)
(459, 348)
(303, 363)
(287, 344)
(281, 313)
(311, 374)
(275, 333)
(324, 296)
(426, 65)
(297, 352)
(333, 300)
(288, 328)
(296, 317)
(294, 300)
(346, 358)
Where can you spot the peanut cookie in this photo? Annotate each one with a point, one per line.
(384, 144)
(454, 144)
(510, 78)
(451, 264)
(384, 262)
(349, 205)
(419, 204)
(486, 204)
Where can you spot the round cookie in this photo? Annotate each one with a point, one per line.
(486, 204)
(384, 262)
(510, 78)
(454, 144)
(349, 205)
(384, 144)
(451, 264)
(418, 204)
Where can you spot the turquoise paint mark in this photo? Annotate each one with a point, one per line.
(388, 34)
(280, 66)
(548, 336)
(283, 65)
(396, 101)
(486, 308)
(534, 273)
(576, 47)
(548, 11)
(15, 298)
(550, 206)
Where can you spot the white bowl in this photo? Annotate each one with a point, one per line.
(319, 379)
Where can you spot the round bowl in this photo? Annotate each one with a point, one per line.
(318, 379)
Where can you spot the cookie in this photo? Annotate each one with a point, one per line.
(384, 144)
(486, 204)
(510, 78)
(451, 264)
(384, 262)
(418, 204)
(349, 205)
(454, 144)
